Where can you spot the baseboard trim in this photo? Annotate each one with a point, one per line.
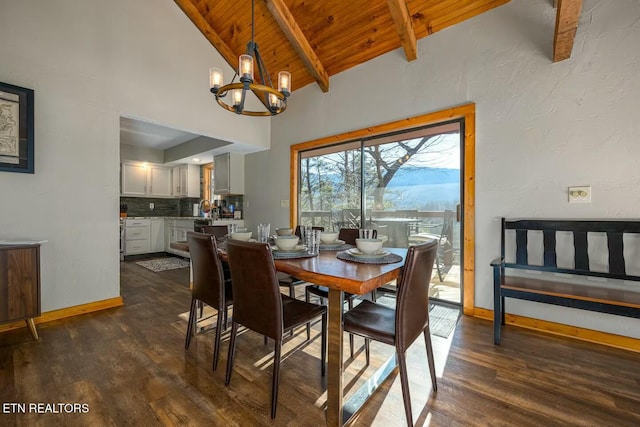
(583, 334)
(63, 313)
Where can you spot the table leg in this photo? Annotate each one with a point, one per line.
(32, 328)
(334, 371)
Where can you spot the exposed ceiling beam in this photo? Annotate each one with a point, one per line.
(567, 17)
(301, 45)
(402, 21)
(214, 38)
(194, 15)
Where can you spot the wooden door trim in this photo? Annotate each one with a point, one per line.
(467, 113)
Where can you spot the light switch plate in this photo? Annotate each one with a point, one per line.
(152, 206)
(580, 194)
(284, 203)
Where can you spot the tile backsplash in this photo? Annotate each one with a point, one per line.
(139, 206)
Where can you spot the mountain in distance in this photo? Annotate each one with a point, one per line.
(424, 188)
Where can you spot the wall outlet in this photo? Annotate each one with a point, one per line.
(580, 194)
(152, 206)
(284, 203)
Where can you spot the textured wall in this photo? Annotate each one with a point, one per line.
(541, 127)
(89, 62)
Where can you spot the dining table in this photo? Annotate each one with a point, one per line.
(340, 276)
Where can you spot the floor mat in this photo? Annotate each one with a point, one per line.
(163, 264)
(442, 319)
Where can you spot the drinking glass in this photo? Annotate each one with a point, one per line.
(263, 232)
(313, 242)
(305, 232)
(366, 233)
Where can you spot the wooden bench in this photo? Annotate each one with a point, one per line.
(588, 294)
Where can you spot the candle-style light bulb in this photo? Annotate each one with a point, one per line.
(245, 67)
(236, 96)
(215, 78)
(284, 82)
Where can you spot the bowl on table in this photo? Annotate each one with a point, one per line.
(284, 231)
(241, 235)
(328, 236)
(369, 246)
(286, 243)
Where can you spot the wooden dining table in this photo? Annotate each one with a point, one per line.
(340, 276)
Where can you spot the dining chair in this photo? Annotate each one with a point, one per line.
(261, 307)
(349, 236)
(220, 231)
(209, 286)
(289, 281)
(401, 326)
(424, 232)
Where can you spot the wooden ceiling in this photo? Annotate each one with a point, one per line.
(315, 39)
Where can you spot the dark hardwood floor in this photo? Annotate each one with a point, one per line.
(130, 367)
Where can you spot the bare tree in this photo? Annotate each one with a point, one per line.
(389, 158)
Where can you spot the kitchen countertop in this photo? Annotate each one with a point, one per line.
(180, 217)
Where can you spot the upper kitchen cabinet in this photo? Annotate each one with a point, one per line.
(145, 180)
(133, 181)
(159, 181)
(186, 181)
(228, 174)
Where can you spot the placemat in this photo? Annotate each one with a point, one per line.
(292, 255)
(342, 247)
(387, 259)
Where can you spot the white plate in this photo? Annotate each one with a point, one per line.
(296, 250)
(356, 253)
(335, 243)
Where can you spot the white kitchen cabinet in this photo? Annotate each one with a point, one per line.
(177, 232)
(228, 174)
(159, 181)
(136, 236)
(145, 180)
(133, 181)
(156, 235)
(186, 181)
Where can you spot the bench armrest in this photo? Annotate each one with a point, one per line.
(497, 262)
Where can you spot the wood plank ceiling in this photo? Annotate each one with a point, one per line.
(314, 40)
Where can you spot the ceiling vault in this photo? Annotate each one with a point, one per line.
(402, 21)
(567, 17)
(301, 45)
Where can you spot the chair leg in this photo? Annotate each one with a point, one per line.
(404, 383)
(367, 352)
(374, 296)
(232, 350)
(216, 340)
(292, 291)
(265, 340)
(276, 378)
(323, 356)
(432, 365)
(307, 299)
(350, 305)
(201, 308)
(191, 325)
(438, 267)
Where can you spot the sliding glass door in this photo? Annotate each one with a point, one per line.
(406, 185)
(330, 191)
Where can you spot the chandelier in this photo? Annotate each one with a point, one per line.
(232, 96)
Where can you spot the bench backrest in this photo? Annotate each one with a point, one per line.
(614, 231)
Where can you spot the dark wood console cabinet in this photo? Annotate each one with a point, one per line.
(20, 284)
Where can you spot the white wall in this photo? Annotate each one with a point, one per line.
(89, 62)
(541, 127)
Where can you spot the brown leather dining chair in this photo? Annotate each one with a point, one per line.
(401, 326)
(349, 236)
(260, 307)
(220, 231)
(288, 280)
(209, 286)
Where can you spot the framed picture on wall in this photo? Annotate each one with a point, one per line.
(16, 129)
